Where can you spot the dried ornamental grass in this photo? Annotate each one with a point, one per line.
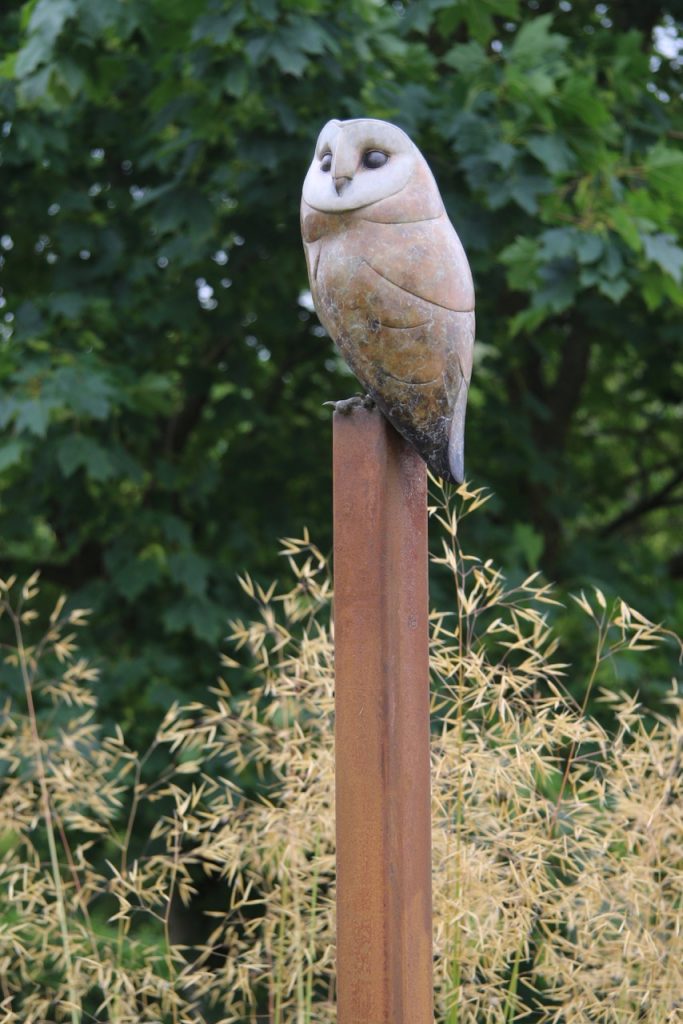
(557, 847)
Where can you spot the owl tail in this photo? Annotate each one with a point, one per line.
(456, 435)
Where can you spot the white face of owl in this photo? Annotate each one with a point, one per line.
(357, 163)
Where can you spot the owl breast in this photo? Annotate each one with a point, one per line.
(369, 288)
(374, 322)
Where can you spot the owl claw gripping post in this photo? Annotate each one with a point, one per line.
(391, 283)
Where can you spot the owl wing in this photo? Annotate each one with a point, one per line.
(426, 313)
(424, 258)
(415, 358)
(313, 227)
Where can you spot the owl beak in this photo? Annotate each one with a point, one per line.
(340, 183)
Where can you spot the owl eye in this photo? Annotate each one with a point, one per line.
(374, 158)
(326, 162)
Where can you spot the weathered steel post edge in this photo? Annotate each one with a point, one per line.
(384, 913)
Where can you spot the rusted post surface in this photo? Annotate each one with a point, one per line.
(384, 926)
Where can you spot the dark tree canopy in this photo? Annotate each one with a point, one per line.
(162, 375)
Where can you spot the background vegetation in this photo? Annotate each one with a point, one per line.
(162, 374)
(162, 379)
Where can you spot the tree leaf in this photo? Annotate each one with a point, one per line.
(664, 166)
(291, 60)
(470, 59)
(11, 453)
(534, 43)
(190, 570)
(552, 151)
(663, 250)
(614, 289)
(32, 416)
(79, 452)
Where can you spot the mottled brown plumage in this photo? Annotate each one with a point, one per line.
(391, 283)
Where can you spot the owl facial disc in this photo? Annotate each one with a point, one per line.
(348, 155)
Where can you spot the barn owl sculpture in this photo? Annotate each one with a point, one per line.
(391, 283)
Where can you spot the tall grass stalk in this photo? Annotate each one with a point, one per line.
(29, 591)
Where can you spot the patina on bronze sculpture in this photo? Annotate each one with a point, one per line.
(391, 283)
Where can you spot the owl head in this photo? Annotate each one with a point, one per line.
(359, 162)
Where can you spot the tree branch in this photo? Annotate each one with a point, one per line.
(565, 394)
(646, 504)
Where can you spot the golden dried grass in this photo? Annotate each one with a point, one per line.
(557, 846)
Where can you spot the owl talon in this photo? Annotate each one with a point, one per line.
(346, 406)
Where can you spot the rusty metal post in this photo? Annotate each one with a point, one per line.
(384, 914)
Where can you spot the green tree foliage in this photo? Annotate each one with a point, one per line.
(162, 375)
